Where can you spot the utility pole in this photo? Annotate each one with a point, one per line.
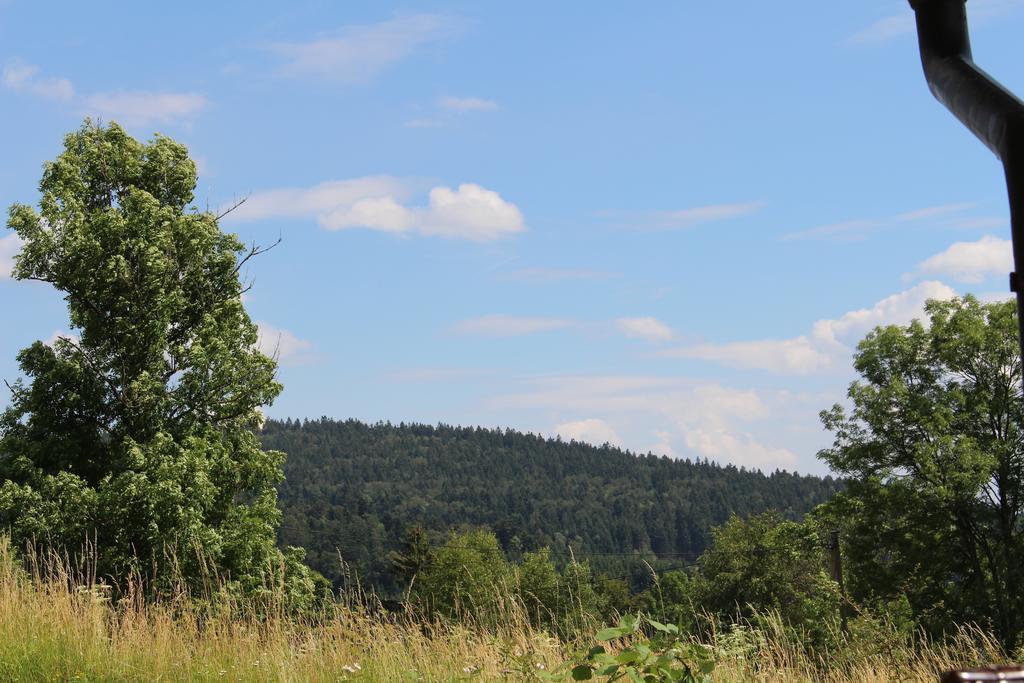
(985, 107)
(837, 571)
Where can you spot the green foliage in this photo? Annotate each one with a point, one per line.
(355, 489)
(664, 653)
(135, 433)
(765, 564)
(539, 586)
(468, 574)
(933, 449)
(672, 598)
(414, 556)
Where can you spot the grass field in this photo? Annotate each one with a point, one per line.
(60, 630)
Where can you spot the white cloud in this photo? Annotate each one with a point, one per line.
(319, 201)
(898, 309)
(373, 213)
(282, 344)
(462, 104)
(593, 431)
(22, 77)
(508, 325)
(62, 334)
(356, 54)
(709, 419)
(648, 328)
(971, 262)
(663, 446)
(682, 219)
(469, 212)
(830, 340)
(10, 246)
(720, 444)
(798, 355)
(140, 108)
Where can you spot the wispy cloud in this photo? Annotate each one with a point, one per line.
(646, 328)
(10, 246)
(859, 228)
(550, 275)
(930, 212)
(884, 29)
(463, 104)
(971, 262)
(438, 374)
(141, 108)
(468, 212)
(132, 108)
(981, 223)
(681, 219)
(424, 123)
(357, 54)
(508, 325)
(448, 108)
(829, 342)
(23, 77)
(902, 24)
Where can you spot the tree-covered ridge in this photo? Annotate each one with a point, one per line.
(354, 489)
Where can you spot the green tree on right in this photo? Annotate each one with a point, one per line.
(931, 445)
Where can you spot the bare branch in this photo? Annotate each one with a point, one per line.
(232, 207)
(254, 251)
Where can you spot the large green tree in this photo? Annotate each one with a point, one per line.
(135, 431)
(932, 447)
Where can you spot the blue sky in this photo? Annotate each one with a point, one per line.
(662, 225)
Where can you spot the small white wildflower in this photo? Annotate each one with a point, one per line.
(348, 668)
(539, 665)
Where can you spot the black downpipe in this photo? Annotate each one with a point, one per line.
(988, 109)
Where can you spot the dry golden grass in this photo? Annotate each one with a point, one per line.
(57, 628)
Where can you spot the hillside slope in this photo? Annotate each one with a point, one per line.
(353, 489)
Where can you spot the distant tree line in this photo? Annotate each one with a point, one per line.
(352, 491)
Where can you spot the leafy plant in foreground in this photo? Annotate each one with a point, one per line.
(666, 655)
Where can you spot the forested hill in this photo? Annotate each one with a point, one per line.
(353, 489)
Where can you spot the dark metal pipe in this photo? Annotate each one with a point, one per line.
(988, 110)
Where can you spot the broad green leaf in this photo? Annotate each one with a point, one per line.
(582, 673)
